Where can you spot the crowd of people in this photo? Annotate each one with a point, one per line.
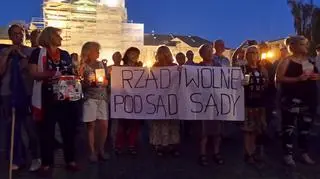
(27, 84)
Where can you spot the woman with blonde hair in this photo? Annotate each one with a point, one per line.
(45, 64)
(95, 106)
(165, 134)
(255, 122)
(297, 76)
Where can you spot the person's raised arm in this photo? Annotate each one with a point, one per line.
(238, 50)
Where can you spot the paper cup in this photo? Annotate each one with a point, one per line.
(247, 78)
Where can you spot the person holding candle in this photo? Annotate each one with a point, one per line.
(255, 84)
(297, 76)
(95, 106)
(128, 128)
(44, 65)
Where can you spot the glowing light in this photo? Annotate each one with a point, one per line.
(100, 79)
(270, 54)
(149, 64)
(100, 75)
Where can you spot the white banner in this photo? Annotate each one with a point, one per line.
(191, 93)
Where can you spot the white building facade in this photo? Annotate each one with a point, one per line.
(103, 21)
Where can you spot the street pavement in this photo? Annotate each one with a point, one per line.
(148, 166)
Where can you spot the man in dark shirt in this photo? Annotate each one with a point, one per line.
(16, 91)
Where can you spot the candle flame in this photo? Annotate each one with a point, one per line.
(149, 64)
(100, 79)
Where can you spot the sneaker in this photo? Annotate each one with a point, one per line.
(307, 160)
(132, 151)
(35, 165)
(288, 160)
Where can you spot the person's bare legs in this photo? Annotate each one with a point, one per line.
(203, 151)
(91, 137)
(103, 131)
(217, 143)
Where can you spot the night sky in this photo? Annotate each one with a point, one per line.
(231, 20)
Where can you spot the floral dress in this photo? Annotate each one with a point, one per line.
(164, 132)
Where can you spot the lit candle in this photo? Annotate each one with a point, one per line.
(307, 67)
(100, 79)
(100, 75)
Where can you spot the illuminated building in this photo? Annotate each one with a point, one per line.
(105, 21)
(88, 20)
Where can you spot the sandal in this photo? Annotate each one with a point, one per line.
(203, 160)
(218, 159)
(159, 151)
(306, 159)
(117, 151)
(176, 153)
(133, 151)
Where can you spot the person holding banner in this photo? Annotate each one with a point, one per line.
(113, 124)
(297, 76)
(45, 64)
(165, 134)
(180, 58)
(190, 57)
(95, 106)
(255, 84)
(218, 58)
(127, 128)
(209, 128)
